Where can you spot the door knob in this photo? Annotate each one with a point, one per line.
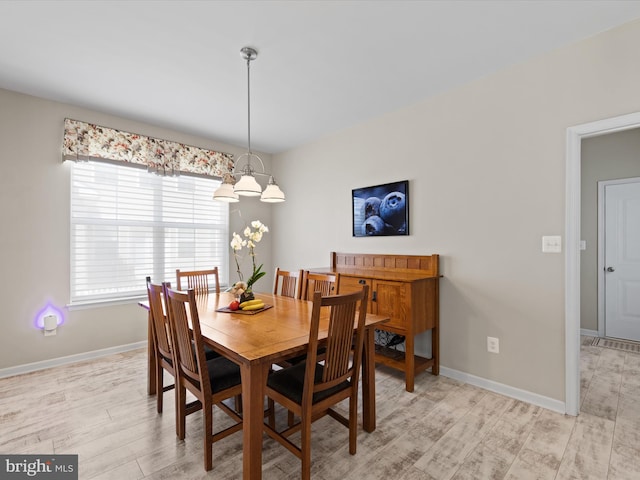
(611, 269)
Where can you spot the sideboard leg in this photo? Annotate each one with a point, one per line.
(409, 363)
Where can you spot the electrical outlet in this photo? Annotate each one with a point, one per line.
(493, 345)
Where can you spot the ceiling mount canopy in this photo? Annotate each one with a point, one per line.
(247, 185)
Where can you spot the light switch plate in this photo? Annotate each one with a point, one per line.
(552, 244)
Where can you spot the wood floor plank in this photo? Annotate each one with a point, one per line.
(601, 398)
(450, 451)
(129, 470)
(588, 450)
(542, 452)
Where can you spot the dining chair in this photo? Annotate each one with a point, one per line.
(287, 284)
(309, 389)
(324, 283)
(162, 343)
(163, 346)
(311, 283)
(198, 280)
(210, 381)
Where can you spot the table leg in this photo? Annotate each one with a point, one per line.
(369, 382)
(151, 358)
(254, 379)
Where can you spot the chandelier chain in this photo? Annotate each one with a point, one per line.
(249, 103)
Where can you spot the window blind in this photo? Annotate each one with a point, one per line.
(127, 224)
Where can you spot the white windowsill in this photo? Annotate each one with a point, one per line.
(105, 303)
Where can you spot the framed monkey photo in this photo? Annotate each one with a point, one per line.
(381, 210)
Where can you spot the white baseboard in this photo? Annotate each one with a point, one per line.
(54, 362)
(589, 333)
(506, 390)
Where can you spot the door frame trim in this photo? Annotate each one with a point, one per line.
(574, 137)
(601, 250)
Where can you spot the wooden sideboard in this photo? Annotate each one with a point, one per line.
(403, 287)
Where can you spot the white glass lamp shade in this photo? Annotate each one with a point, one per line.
(248, 186)
(225, 193)
(272, 194)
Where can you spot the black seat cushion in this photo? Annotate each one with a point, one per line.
(169, 360)
(223, 373)
(210, 353)
(290, 382)
(303, 357)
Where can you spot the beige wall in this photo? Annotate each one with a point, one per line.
(606, 157)
(34, 245)
(486, 165)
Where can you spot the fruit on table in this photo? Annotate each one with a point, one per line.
(250, 302)
(249, 305)
(257, 306)
(235, 305)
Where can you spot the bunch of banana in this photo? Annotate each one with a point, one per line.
(256, 304)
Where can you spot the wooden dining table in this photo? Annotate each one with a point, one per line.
(256, 341)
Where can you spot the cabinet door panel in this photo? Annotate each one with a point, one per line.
(354, 284)
(393, 299)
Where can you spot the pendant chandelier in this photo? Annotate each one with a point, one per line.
(230, 190)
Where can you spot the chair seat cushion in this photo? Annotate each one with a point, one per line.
(223, 374)
(303, 357)
(290, 382)
(210, 353)
(169, 360)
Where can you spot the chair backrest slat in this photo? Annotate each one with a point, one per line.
(190, 356)
(325, 283)
(198, 280)
(287, 284)
(339, 341)
(344, 348)
(160, 322)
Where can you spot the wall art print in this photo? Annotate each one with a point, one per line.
(381, 210)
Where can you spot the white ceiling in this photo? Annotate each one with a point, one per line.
(322, 65)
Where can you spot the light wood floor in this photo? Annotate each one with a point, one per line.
(444, 430)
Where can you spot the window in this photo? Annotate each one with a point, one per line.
(127, 224)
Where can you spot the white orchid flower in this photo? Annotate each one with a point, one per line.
(259, 226)
(237, 242)
(253, 235)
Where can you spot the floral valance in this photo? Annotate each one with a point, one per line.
(85, 141)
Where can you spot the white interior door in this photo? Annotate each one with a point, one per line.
(622, 260)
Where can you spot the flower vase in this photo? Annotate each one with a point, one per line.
(246, 296)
